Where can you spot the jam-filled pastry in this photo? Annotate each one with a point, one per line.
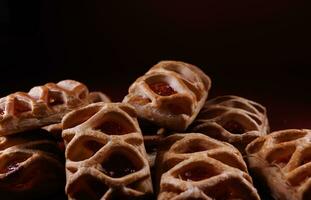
(195, 166)
(170, 94)
(232, 119)
(283, 160)
(31, 166)
(93, 97)
(105, 153)
(42, 105)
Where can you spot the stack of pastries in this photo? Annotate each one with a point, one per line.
(166, 140)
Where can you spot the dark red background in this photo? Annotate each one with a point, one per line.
(258, 49)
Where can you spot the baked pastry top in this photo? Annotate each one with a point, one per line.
(42, 105)
(283, 160)
(93, 97)
(170, 94)
(105, 153)
(195, 166)
(31, 166)
(232, 119)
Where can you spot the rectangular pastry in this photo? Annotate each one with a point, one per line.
(195, 166)
(105, 153)
(93, 97)
(170, 94)
(282, 160)
(31, 166)
(232, 119)
(42, 105)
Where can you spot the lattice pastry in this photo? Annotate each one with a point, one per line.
(232, 119)
(94, 97)
(105, 154)
(170, 94)
(195, 166)
(31, 166)
(42, 105)
(283, 160)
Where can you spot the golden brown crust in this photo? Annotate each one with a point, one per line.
(30, 167)
(232, 119)
(105, 153)
(282, 159)
(93, 97)
(96, 96)
(196, 166)
(42, 105)
(170, 94)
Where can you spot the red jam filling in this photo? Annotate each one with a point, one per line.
(162, 89)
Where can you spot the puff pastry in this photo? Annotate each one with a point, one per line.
(232, 119)
(170, 94)
(195, 166)
(42, 105)
(31, 166)
(283, 160)
(105, 153)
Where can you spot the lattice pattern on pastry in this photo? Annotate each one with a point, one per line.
(195, 166)
(42, 105)
(283, 159)
(30, 167)
(170, 94)
(105, 154)
(232, 119)
(93, 97)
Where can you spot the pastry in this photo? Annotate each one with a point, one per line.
(93, 97)
(42, 105)
(232, 119)
(283, 160)
(105, 153)
(170, 94)
(195, 166)
(31, 166)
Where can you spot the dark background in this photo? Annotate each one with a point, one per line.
(258, 49)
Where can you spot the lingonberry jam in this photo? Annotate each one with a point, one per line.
(162, 89)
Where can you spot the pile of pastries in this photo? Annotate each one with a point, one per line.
(166, 140)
